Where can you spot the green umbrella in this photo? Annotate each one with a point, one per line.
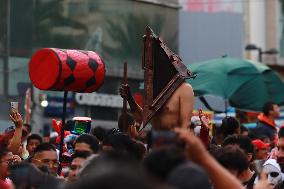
(244, 84)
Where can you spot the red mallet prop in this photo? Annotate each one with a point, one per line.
(66, 70)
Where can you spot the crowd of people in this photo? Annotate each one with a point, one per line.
(202, 156)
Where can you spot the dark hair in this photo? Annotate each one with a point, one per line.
(112, 170)
(267, 107)
(94, 163)
(90, 140)
(3, 152)
(161, 162)
(34, 137)
(189, 176)
(232, 157)
(129, 120)
(230, 140)
(83, 155)
(123, 143)
(229, 126)
(263, 137)
(244, 129)
(44, 147)
(243, 142)
(281, 132)
(99, 132)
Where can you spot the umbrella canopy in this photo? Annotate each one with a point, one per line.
(244, 84)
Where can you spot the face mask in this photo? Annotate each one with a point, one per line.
(273, 173)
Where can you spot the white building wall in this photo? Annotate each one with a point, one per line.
(256, 19)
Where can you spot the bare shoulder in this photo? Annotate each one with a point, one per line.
(185, 88)
(186, 85)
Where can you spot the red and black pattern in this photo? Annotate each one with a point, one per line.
(74, 70)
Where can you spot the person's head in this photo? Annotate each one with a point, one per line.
(129, 121)
(123, 143)
(189, 176)
(261, 149)
(264, 138)
(5, 159)
(156, 160)
(32, 142)
(244, 131)
(234, 160)
(271, 109)
(78, 160)
(99, 132)
(272, 168)
(45, 156)
(230, 126)
(112, 169)
(86, 143)
(280, 146)
(242, 142)
(245, 143)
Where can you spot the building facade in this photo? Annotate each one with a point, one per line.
(112, 28)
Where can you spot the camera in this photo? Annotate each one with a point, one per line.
(79, 125)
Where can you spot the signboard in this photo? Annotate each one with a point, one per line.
(99, 99)
(55, 107)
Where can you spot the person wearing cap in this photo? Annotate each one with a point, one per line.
(262, 149)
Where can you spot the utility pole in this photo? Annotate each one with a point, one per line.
(7, 51)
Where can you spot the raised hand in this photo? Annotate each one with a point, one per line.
(16, 118)
(205, 122)
(16, 159)
(124, 91)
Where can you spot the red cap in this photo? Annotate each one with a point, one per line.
(259, 144)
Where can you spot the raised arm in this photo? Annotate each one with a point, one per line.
(15, 142)
(186, 101)
(136, 110)
(221, 178)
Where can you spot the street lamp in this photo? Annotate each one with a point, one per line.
(250, 47)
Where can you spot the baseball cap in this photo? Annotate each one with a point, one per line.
(259, 144)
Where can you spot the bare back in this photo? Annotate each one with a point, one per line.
(177, 111)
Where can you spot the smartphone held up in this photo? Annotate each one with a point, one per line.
(14, 106)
